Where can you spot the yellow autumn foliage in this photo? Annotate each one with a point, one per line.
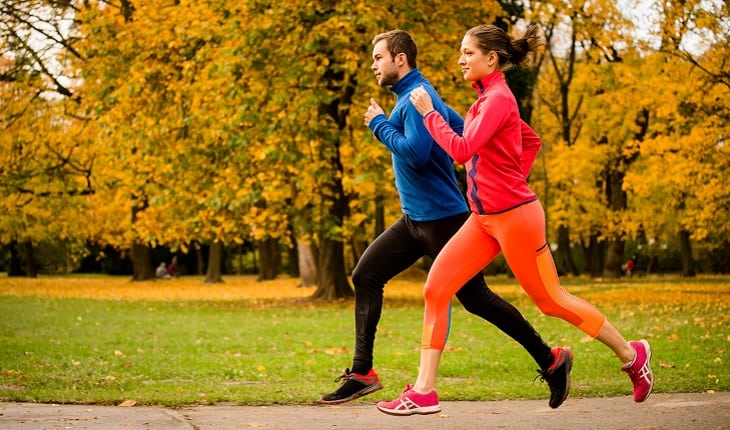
(230, 121)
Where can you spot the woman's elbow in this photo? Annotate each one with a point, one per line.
(459, 152)
(461, 158)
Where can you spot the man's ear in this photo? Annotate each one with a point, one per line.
(401, 59)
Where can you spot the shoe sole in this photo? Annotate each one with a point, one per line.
(365, 391)
(648, 364)
(425, 410)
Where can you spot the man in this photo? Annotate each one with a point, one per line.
(433, 209)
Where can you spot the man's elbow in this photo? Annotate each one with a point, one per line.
(419, 162)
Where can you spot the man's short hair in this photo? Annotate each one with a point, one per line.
(399, 41)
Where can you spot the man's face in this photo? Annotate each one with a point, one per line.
(386, 72)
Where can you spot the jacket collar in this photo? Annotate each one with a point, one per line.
(406, 81)
(483, 84)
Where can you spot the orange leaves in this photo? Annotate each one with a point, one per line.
(186, 288)
(634, 296)
(338, 351)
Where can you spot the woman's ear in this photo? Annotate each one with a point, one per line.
(493, 58)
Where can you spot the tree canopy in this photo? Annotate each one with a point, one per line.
(180, 124)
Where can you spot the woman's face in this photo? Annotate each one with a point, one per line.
(475, 64)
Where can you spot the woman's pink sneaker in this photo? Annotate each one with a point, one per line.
(411, 402)
(639, 370)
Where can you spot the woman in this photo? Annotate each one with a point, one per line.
(506, 217)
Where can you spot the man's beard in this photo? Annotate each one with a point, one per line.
(389, 79)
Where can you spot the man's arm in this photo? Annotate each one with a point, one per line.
(413, 145)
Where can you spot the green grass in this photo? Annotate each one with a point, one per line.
(68, 350)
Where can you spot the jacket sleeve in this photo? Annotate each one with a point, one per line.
(456, 122)
(531, 145)
(413, 145)
(488, 119)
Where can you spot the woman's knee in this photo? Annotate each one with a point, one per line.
(548, 307)
(435, 293)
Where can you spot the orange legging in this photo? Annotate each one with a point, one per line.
(520, 234)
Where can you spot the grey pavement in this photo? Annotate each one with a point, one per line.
(659, 412)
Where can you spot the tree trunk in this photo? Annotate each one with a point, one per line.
(269, 259)
(618, 200)
(652, 265)
(215, 263)
(332, 282)
(141, 254)
(292, 254)
(564, 260)
(293, 261)
(688, 264)
(614, 259)
(16, 264)
(615, 204)
(595, 256)
(142, 263)
(307, 254)
(199, 260)
(332, 279)
(720, 258)
(358, 246)
(32, 267)
(227, 258)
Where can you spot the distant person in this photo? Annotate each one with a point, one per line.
(172, 267)
(629, 266)
(161, 271)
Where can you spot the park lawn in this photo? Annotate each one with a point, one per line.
(104, 340)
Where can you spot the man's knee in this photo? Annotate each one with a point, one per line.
(367, 281)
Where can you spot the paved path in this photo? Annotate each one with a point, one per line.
(660, 412)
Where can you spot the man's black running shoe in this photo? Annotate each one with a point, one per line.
(557, 375)
(354, 385)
